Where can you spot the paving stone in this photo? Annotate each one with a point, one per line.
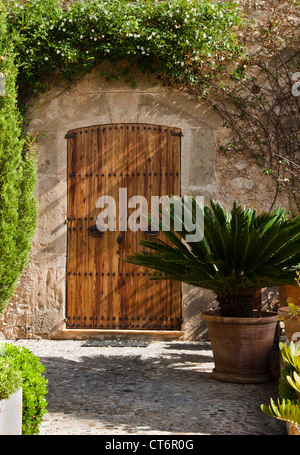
(161, 388)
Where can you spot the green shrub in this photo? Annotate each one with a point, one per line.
(34, 386)
(18, 207)
(10, 378)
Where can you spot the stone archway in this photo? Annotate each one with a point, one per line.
(38, 307)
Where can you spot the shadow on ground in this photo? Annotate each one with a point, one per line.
(171, 391)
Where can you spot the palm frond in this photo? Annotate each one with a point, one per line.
(285, 410)
(240, 250)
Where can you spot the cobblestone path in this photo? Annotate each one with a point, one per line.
(152, 389)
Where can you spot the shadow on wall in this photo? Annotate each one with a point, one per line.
(195, 300)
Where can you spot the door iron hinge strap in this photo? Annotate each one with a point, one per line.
(69, 135)
(176, 134)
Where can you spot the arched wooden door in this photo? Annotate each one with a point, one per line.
(104, 292)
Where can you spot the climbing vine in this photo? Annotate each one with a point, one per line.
(185, 41)
(262, 109)
(261, 105)
(199, 45)
(264, 118)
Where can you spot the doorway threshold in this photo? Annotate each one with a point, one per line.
(84, 334)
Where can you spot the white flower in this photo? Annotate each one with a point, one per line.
(46, 58)
(81, 36)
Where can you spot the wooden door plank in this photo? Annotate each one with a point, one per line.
(175, 287)
(165, 191)
(121, 223)
(83, 210)
(105, 255)
(98, 240)
(114, 192)
(144, 188)
(91, 171)
(71, 252)
(127, 245)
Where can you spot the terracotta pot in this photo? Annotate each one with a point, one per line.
(293, 429)
(241, 346)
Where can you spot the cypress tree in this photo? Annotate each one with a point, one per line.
(18, 206)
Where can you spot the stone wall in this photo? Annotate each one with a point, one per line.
(240, 178)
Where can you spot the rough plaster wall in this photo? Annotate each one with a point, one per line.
(38, 307)
(239, 178)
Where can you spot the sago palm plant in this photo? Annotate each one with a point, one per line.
(241, 252)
